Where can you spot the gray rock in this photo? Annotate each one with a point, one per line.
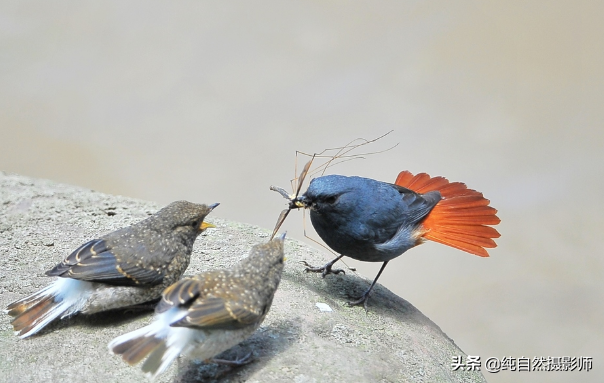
(43, 221)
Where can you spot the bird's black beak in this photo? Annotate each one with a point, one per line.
(205, 225)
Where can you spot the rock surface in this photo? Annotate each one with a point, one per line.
(42, 221)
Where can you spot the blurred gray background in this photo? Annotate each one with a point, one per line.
(208, 101)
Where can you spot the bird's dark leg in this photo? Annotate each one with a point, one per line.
(363, 299)
(233, 363)
(325, 269)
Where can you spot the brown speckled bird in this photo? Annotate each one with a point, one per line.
(127, 267)
(204, 315)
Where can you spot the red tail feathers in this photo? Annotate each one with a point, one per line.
(460, 219)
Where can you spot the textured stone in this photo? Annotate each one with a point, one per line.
(42, 221)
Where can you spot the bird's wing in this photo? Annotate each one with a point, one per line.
(219, 313)
(417, 205)
(95, 261)
(206, 309)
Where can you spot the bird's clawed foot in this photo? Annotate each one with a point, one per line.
(365, 297)
(238, 362)
(324, 270)
(362, 300)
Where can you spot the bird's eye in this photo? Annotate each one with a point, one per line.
(331, 199)
(195, 223)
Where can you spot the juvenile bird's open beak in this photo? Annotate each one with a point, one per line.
(282, 238)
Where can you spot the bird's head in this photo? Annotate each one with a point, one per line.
(186, 217)
(271, 251)
(266, 259)
(329, 193)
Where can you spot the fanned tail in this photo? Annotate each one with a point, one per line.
(461, 219)
(158, 342)
(61, 298)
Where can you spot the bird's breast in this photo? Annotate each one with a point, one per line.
(352, 238)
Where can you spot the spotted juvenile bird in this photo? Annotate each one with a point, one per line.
(127, 267)
(204, 315)
(375, 221)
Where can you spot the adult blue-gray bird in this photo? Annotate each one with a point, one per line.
(127, 267)
(375, 221)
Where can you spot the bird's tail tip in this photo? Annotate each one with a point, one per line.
(134, 348)
(462, 219)
(158, 343)
(34, 312)
(31, 316)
